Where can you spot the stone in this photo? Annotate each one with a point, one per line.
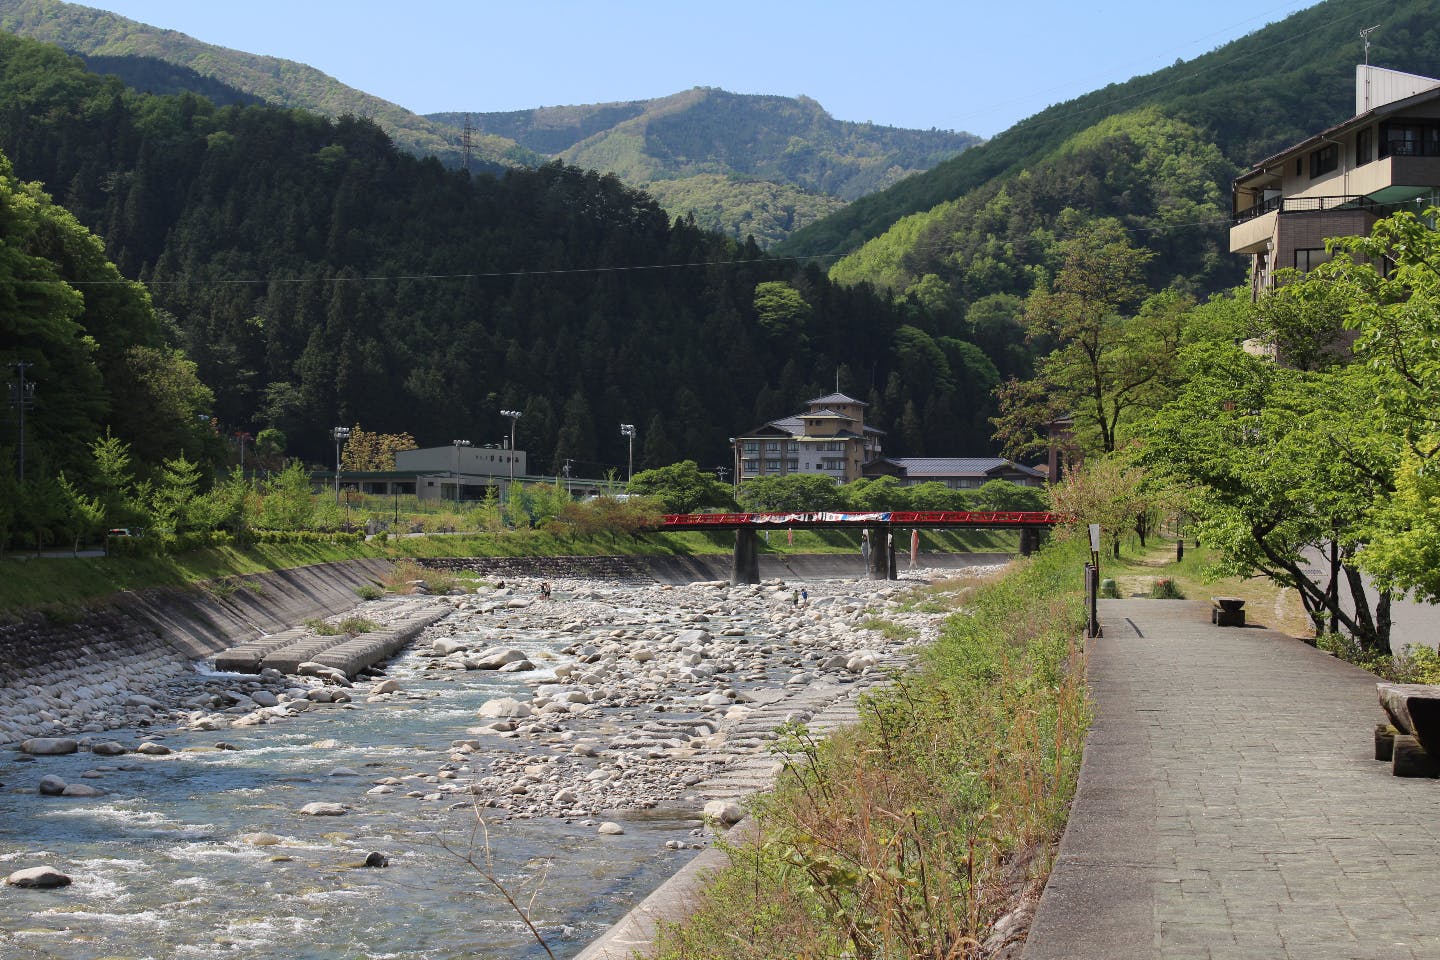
(610, 829)
(329, 674)
(323, 810)
(51, 786)
(496, 657)
(82, 790)
(376, 859)
(265, 698)
(724, 812)
(154, 749)
(260, 839)
(49, 746)
(445, 646)
(343, 772)
(507, 707)
(140, 700)
(40, 878)
(386, 686)
(109, 749)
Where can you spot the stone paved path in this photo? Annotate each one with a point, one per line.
(1229, 806)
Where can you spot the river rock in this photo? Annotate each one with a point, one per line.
(140, 700)
(504, 707)
(496, 657)
(610, 829)
(51, 786)
(445, 646)
(82, 790)
(376, 859)
(38, 877)
(260, 839)
(109, 749)
(154, 749)
(329, 674)
(323, 810)
(265, 698)
(386, 686)
(724, 812)
(49, 746)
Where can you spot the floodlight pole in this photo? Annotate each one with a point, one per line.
(341, 434)
(627, 430)
(514, 415)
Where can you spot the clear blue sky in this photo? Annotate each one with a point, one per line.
(953, 64)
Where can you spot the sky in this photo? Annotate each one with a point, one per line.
(951, 64)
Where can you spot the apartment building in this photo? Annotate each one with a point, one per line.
(829, 437)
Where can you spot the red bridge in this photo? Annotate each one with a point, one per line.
(1013, 519)
(880, 526)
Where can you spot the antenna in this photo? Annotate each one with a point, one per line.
(1365, 35)
(467, 131)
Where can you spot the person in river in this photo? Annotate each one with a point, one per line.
(545, 590)
(795, 597)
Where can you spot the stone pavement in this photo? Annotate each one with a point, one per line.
(1229, 806)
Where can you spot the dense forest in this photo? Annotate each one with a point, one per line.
(315, 275)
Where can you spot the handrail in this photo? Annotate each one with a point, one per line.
(1305, 204)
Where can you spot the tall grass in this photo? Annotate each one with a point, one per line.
(911, 834)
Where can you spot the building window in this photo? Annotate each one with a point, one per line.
(831, 464)
(792, 447)
(772, 466)
(1324, 160)
(1364, 147)
(772, 446)
(1309, 258)
(1409, 139)
(752, 446)
(750, 466)
(792, 465)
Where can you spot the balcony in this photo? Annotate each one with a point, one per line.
(1305, 205)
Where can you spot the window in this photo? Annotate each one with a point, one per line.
(752, 446)
(834, 464)
(772, 466)
(772, 446)
(1310, 258)
(1409, 138)
(792, 465)
(1324, 160)
(1364, 147)
(750, 466)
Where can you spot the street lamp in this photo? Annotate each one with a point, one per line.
(513, 415)
(457, 444)
(341, 434)
(627, 430)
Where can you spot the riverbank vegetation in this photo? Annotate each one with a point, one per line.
(913, 833)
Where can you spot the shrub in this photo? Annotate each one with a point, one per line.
(1164, 589)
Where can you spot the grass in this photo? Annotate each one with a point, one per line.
(911, 834)
(1139, 571)
(892, 631)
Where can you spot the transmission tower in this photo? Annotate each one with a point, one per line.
(467, 131)
(22, 397)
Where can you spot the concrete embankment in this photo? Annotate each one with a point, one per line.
(677, 570)
(97, 669)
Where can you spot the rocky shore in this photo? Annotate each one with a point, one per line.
(621, 698)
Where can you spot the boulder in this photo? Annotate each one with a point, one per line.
(109, 749)
(49, 746)
(386, 686)
(82, 790)
(154, 749)
(42, 878)
(265, 698)
(329, 674)
(52, 786)
(507, 707)
(323, 810)
(610, 829)
(496, 657)
(724, 812)
(445, 646)
(260, 839)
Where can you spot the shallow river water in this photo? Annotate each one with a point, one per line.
(160, 870)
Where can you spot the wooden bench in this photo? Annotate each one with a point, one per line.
(1414, 710)
(1227, 611)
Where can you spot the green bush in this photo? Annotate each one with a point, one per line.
(1165, 589)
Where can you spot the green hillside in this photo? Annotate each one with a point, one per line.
(91, 32)
(742, 164)
(1250, 98)
(312, 274)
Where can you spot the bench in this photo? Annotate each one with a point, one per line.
(1227, 611)
(1414, 711)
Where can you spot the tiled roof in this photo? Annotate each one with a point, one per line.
(959, 466)
(836, 398)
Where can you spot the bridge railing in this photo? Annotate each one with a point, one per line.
(900, 518)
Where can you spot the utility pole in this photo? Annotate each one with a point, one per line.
(568, 461)
(22, 396)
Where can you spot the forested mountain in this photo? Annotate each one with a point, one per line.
(743, 164)
(96, 33)
(315, 275)
(1249, 98)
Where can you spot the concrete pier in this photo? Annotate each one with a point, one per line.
(746, 568)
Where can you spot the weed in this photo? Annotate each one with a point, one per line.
(369, 591)
(895, 632)
(1165, 589)
(354, 626)
(322, 629)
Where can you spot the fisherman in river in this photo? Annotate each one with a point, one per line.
(545, 590)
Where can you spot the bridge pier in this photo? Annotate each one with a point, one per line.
(881, 563)
(746, 568)
(1029, 540)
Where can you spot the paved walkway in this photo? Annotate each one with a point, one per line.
(1229, 806)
